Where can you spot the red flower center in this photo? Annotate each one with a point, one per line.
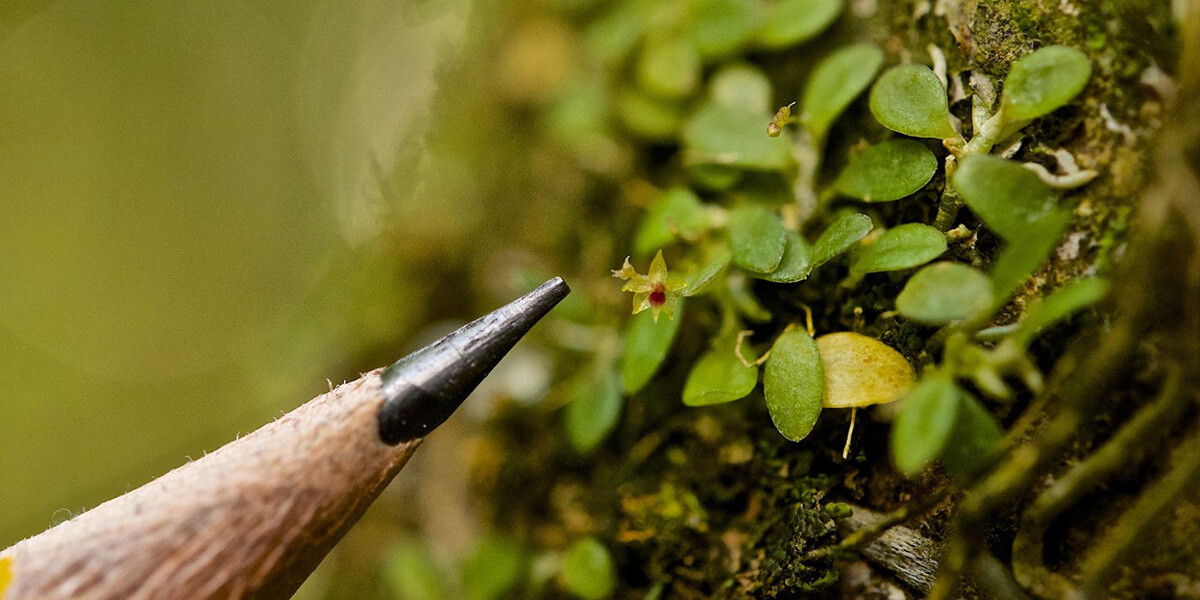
(658, 296)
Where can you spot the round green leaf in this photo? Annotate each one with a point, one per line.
(756, 238)
(796, 263)
(588, 570)
(741, 86)
(794, 384)
(790, 22)
(910, 99)
(409, 571)
(494, 568)
(719, 377)
(902, 247)
(645, 346)
(973, 440)
(888, 171)
(719, 28)
(676, 212)
(648, 117)
(1007, 197)
(835, 83)
(593, 412)
(840, 235)
(668, 67)
(945, 292)
(720, 134)
(925, 423)
(1043, 81)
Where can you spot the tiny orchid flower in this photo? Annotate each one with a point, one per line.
(655, 290)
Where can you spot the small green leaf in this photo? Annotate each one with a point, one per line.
(910, 99)
(699, 279)
(720, 28)
(862, 371)
(901, 247)
(714, 177)
(835, 83)
(925, 423)
(794, 384)
(741, 87)
(790, 22)
(1023, 255)
(588, 570)
(647, 117)
(677, 212)
(409, 571)
(593, 412)
(1059, 305)
(1043, 81)
(974, 439)
(719, 377)
(668, 67)
(756, 238)
(889, 171)
(1007, 197)
(611, 36)
(839, 236)
(796, 263)
(719, 134)
(945, 292)
(744, 300)
(493, 569)
(645, 346)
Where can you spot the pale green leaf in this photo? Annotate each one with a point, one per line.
(901, 247)
(719, 376)
(839, 236)
(645, 346)
(700, 278)
(676, 212)
(648, 117)
(722, 135)
(1060, 304)
(794, 384)
(719, 28)
(714, 177)
(668, 67)
(742, 87)
(888, 171)
(790, 22)
(974, 439)
(493, 569)
(925, 422)
(588, 570)
(1007, 197)
(744, 300)
(409, 572)
(1023, 255)
(945, 292)
(835, 83)
(910, 99)
(593, 411)
(756, 238)
(1043, 81)
(796, 263)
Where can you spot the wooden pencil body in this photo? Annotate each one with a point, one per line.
(247, 522)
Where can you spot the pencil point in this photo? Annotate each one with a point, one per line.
(424, 388)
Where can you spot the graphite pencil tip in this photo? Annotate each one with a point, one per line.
(424, 388)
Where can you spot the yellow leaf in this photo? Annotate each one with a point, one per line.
(861, 371)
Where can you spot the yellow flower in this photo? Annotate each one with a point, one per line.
(656, 290)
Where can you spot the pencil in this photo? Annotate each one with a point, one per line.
(251, 520)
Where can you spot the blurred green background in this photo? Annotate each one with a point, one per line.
(208, 209)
